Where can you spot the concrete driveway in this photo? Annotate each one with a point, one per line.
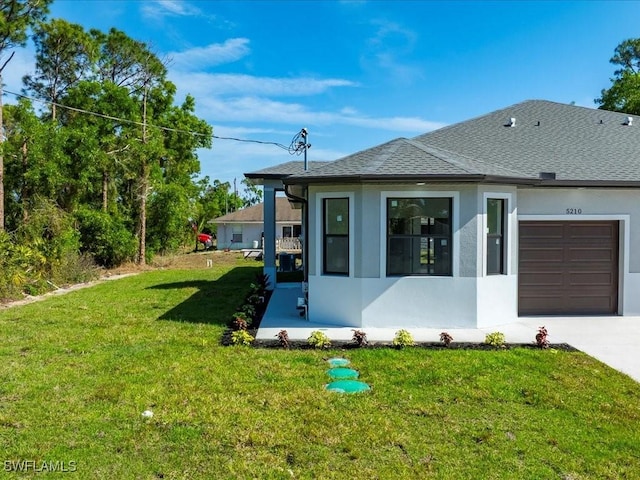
(612, 340)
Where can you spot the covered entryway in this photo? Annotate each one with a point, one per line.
(568, 268)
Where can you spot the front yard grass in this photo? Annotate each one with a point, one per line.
(78, 370)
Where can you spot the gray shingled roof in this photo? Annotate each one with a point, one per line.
(255, 214)
(577, 144)
(283, 170)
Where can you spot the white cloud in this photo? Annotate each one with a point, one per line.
(200, 58)
(165, 8)
(389, 44)
(256, 109)
(238, 84)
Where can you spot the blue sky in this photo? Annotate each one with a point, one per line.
(358, 73)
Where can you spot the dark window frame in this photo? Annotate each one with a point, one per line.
(431, 238)
(492, 237)
(328, 236)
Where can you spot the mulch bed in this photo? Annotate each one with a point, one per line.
(349, 345)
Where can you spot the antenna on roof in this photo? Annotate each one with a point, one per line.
(300, 144)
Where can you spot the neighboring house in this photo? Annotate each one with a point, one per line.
(529, 210)
(244, 228)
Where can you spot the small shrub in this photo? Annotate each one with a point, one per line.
(541, 338)
(319, 339)
(241, 337)
(495, 339)
(249, 310)
(403, 339)
(360, 338)
(261, 284)
(255, 299)
(446, 339)
(283, 338)
(240, 321)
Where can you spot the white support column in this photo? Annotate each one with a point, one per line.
(270, 233)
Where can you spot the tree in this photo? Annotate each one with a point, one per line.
(16, 17)
(64, 54)
(252, 194)
(99, 148)
(624, 93)
(36, 164)
(214, 201)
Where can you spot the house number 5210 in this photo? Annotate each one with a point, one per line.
(574, 211)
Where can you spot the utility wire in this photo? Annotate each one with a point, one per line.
(140, 124)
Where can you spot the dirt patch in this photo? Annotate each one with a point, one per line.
(197, 260)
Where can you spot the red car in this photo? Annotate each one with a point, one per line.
(206, 240)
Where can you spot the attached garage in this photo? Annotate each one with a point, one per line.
(568, 268)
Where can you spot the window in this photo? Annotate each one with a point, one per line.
(495, 236)
(291, 231)
(336, 236)
(419, 236)
(236, 235)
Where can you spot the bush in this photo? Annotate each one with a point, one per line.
(105, 237)
(319, 339)
(283, 338)
(168, 208)
(446, 339)
(240, 321)
(21, 269)
(495, 339)
(403, 339)
(45, 250)
(360, 338)
(241, 337)
(541, 338)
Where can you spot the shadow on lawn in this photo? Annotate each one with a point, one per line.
(215, 300)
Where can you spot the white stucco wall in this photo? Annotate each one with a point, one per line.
(369, 298)
(470, 297)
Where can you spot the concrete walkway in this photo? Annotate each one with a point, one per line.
(612, 340)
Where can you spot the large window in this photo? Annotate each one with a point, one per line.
(336, 236)
(495, 236)
(419, 236)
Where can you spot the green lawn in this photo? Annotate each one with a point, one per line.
(78, 370)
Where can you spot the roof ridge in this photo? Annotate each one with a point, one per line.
(390, 148)
(449, 158)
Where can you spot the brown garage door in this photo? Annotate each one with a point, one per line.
(568, 268)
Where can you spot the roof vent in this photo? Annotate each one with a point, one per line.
(629, 121)
(512, 122)
(547, 175)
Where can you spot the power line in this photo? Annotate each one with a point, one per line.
(140, 124)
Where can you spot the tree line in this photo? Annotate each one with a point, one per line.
(98, 163)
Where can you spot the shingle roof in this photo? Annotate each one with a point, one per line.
(282, 170)
(255, 214)
(577, 144)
